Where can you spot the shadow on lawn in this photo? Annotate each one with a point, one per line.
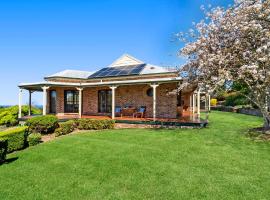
(9, 160)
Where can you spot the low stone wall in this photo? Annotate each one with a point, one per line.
(246, 111)
(250, 111)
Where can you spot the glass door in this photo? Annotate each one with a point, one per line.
(104, 101)
(52, 101)
(71, 101)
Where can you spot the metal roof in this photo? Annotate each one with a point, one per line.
(126, 65)
(72, 74)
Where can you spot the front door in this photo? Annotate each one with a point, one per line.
(104, 101)
(71, 101)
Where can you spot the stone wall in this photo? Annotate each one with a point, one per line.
(246, 111)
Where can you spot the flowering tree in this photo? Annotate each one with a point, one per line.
(232, 44)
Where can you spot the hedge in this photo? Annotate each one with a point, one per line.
(34, 139)
(9, 115)
(17, 138)
(94, 124)
(3, 150)
(235, 99)
(42, 124)
(65, 128)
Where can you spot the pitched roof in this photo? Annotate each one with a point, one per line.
(72, 74)
(124, 66)
(154, 69)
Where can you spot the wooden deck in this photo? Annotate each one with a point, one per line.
(186, 120)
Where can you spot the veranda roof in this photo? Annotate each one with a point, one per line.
(37, 86)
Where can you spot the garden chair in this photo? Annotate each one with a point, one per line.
(118, 111)
(140, 112)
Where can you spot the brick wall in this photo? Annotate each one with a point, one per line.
(134, 95)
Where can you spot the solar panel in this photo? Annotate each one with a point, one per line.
(118, 71)
(137, 70)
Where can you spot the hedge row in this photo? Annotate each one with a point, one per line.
(42, 124)
(65, 128)
(34, 139)
(16, 138)
(3, 150)
(83, 124)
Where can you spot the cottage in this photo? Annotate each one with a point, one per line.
(128, 88)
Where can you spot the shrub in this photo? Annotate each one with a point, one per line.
(42, 124)
(3, 150)
(8, 120)
(9, 115)
(234, 99)
(34, 139)
(213, 102)
(65, 128)
(93, 124)
(220, 95)
(16, 138)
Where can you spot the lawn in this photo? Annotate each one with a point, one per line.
(218, 162)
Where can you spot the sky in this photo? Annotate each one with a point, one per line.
(42, 37)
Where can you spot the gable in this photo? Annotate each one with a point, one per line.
(126, 60)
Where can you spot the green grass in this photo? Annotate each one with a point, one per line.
(218, 162)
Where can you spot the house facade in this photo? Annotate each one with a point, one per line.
(128, 84)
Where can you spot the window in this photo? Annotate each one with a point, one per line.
(149, 92)
(71, 99)
(105, 101)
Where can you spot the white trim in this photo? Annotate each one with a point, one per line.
(113, 100)
(198, 103)
(193, 103)
(190, 103)
(80, 101)
(45, 88)
(20, 103)
(154, 86)
(126, 82)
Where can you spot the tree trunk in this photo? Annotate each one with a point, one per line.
(266, 118)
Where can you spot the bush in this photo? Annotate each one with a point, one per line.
(220, 95)
(42, 124)
(17, 138)
(213, 102)
(234, 99)
(9, 120)
(9, 115)
(65, 128)
(34, 139)
(93, 124)
(3, 150)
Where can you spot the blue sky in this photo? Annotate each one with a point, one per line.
(39, 38)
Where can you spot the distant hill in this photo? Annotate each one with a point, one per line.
(6, 106)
